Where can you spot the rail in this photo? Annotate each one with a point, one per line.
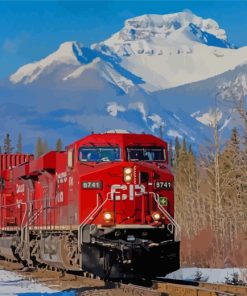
(194, 288)
(90, 216)
(34, 217)
(168, 215)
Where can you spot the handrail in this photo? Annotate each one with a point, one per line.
(90, 216)
(35, 215)
(168, 215)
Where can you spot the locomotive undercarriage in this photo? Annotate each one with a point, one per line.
(41, 248)
(116, 253)
(130, 252)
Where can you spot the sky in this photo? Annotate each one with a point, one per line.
(30, 30)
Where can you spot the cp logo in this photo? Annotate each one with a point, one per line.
(122, 192)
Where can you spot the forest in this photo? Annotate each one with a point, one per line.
(211, 193)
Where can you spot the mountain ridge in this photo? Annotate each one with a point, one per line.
(158, 70)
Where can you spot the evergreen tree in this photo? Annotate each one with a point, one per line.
(19, 144)
(183, 149)
(177, 148)
(45, 146)
(192, 170)
(230, 157)
(7, 147)
(170, 153)
(41, 147)
(182, 165)
(59, 145)
(235, 137)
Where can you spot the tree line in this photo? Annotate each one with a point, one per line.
(211, 195)
(211, 203)
(41, 145)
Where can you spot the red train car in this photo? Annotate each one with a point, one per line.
(105, 205)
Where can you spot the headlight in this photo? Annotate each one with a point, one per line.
(107, 217)
(128, 171)
(127, 174)
(127, 178)
(156, 216)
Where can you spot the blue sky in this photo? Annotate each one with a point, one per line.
(30, 30)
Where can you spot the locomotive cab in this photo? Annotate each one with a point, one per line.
(126, 206)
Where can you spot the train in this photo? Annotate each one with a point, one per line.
(104, 205)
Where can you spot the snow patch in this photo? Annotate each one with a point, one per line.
(212, 275)
(12, 284)
(195, 113)
(113, 109)
(157, 122)
(209, 118)
(139, 106)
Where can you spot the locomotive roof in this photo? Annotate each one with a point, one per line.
(120, 139)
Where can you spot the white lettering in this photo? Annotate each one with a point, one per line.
(116, 194)
(20, 188)
(122, 192)
(59, 197)
(62, 177)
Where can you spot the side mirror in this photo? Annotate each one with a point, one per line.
(70, 162)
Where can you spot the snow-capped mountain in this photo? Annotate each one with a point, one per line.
(164, 51)
(158, 70)
(171, 50)
(69, 55)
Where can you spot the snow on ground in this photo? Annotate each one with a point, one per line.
(12, 284)
(211, 275)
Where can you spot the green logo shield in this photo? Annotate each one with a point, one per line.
(163, 201)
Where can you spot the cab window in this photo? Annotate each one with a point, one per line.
(146, 154)
(99, 154)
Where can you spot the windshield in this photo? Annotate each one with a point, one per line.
(146, 153)
(98, 154)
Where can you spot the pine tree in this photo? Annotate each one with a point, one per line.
(234, 182)
(41, 147)
(45, 146)
(7, 147)
(192, 170)
(59, 145)
(19, 144)
(177, 148)
(182, 165)
(170, 154)
(235, 137)
(183, 149)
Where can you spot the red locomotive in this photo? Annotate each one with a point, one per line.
(105, 206)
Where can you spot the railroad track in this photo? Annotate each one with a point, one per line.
(88, 286)
(181, 288)
(169, 289)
